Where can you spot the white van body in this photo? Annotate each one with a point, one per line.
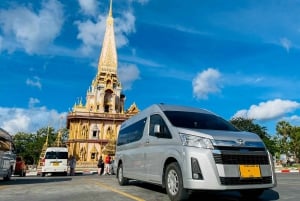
(55, 161)
(7, 155)
(185, 149)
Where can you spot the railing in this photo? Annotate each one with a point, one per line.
(85, 164)
(98, 115)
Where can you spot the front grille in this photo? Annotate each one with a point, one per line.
(239, 181)
(224, 148)
(240, 158)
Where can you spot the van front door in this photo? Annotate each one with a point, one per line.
(155, 148)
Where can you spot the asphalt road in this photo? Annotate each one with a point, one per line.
(106, 188)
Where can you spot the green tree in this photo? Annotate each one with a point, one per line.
(25, 146)
(295, 141)
(244, 124)
(284, 130)
(29, 145)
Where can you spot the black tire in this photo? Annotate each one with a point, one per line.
(174, 183)
(43, 174)
(22, 173)
(121, 179)
(8, 176)
(252, 194)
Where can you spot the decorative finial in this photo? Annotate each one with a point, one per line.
(110, 9)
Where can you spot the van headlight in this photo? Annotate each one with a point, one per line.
(196, 141)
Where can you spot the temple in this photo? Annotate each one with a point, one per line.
(94, 125)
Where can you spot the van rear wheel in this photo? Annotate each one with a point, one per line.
(174, 183)
(8, 176)
(121, 179)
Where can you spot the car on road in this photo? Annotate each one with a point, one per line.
(55, 161)
(20, 167)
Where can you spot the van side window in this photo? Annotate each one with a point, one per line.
(132, 133)
(156, 119)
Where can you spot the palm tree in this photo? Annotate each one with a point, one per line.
(284, 129)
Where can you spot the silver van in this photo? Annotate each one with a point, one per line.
(185, 149)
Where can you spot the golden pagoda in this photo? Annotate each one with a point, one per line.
(93, 126)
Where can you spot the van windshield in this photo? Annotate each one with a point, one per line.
(56, 155)
(196, 120)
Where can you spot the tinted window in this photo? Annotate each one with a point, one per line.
(132, 133)
(157, 119)
(198, 121)
(56, 155)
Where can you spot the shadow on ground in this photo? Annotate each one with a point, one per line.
(268, 195)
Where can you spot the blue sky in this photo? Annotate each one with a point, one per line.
(234, 58)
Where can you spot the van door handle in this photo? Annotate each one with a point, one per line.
(147, 141)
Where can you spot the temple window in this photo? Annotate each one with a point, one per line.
(93, 155)
(108, 100)
(106, 108)
(95, 134)
(108, 83)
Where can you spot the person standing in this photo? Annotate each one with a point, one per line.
(72, 164)
(107, 162)
(100, 165)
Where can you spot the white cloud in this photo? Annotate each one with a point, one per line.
(123, 27)
(128, 74)
(295, 118)
(206, 82)
(286, 43)
(88, 7)
(32, 102)
(92, 33)
(32, 31)
(269, 110)
(30, 120)
(35, 82)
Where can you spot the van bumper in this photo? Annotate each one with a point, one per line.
(219, 175)
(54, 170)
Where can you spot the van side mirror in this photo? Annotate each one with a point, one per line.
(156, 129)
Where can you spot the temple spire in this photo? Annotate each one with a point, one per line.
(110, 9)
(108, 57)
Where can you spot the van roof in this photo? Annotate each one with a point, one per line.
(163, 107)
(57, 149)
(168, 107)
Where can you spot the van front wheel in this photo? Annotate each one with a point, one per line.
(174, 183)
(121, 179)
